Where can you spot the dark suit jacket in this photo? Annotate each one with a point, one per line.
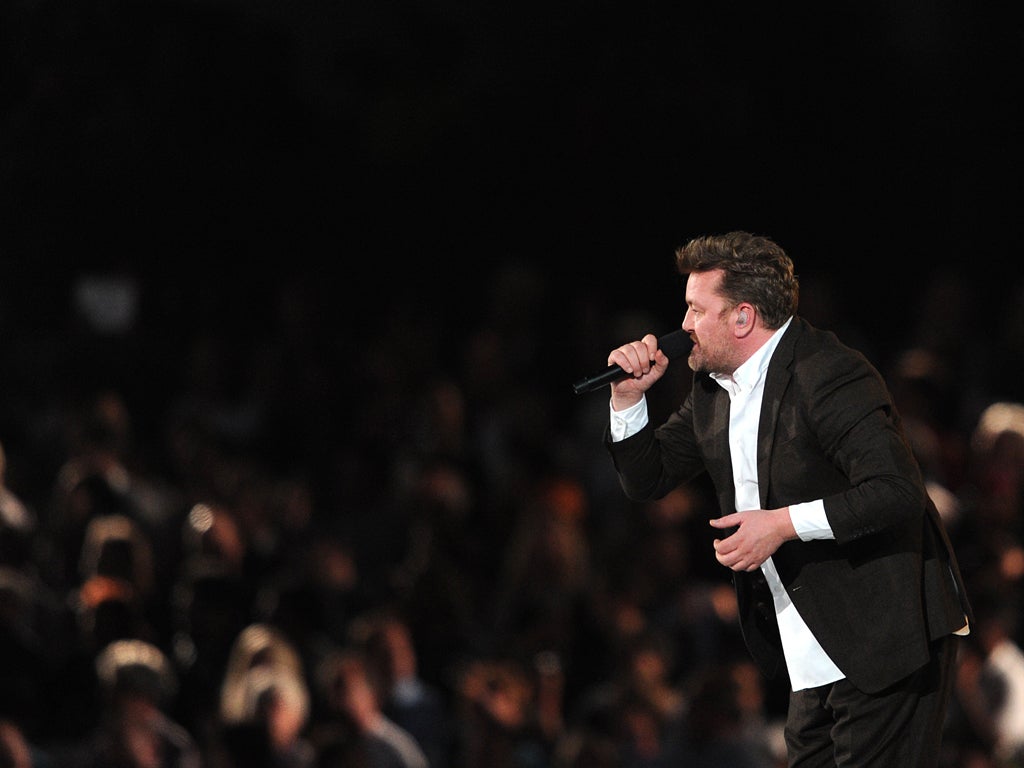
(888, 584)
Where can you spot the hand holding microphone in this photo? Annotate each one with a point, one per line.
(673, 345)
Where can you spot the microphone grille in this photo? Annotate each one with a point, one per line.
(675, 344)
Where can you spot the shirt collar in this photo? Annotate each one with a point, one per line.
(750, 373)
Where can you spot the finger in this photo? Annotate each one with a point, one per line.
(732, 563)
(625, 357)
(641, 356)
(644, 356)
(650, 341)
(724, 547)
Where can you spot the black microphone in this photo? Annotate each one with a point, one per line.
(674, 345)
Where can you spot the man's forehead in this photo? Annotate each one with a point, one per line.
(703, 285)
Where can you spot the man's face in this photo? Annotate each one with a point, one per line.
(707, 322)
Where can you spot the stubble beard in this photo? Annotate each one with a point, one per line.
(696, 361)
(700, 362)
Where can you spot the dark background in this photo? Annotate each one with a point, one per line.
(396, 154)
(296, 232)
(398, 142)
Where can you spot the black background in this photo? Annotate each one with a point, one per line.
(401, 150)
(353, 188)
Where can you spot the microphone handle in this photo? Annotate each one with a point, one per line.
(673, 344)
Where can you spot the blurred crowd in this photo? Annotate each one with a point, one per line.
(243, 524)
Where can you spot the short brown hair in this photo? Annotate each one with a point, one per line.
(755, 269)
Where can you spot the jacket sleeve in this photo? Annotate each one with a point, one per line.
(852, 416)
(656, 460)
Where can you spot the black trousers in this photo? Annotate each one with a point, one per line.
(900, 727)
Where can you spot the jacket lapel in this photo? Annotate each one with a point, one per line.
(776, 381)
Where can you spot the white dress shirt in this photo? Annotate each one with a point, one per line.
(808, 664)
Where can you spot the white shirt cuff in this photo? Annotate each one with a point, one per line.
(810, 521)
(629, 421)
